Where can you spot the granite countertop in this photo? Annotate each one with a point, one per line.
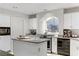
(36, 40)
(74, 38)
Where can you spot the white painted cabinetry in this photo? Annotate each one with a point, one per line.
(5, 43)
(5, 40)
(54, 45)
(29, 49)
(74, 47)
(71, 20)
(4, 21)
(67, 21)
(75, 20)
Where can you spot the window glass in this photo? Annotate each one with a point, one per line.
(52, 24)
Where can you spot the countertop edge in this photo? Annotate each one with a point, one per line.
(30, 41)
(71, 38)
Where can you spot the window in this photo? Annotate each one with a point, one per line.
(52, 24)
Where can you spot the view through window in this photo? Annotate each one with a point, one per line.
(52, 24)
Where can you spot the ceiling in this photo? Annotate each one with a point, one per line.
(30, 8)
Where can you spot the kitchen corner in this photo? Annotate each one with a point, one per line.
(39, 30)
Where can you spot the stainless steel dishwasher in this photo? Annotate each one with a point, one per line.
(63, 46)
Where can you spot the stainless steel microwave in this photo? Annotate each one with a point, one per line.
(5, 31)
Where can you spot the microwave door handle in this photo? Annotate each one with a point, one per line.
(7, 30)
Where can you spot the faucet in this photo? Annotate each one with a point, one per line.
(45, 32)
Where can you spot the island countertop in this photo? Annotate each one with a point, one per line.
(30, 46)
(31, 40)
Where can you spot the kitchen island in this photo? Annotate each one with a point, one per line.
(30, 47)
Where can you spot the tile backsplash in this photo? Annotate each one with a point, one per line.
(75, 32)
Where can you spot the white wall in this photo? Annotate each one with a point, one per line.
(58, 13)
(26, 25)
(4, 21)
(33, 23)
(11, 13)
(17, 26)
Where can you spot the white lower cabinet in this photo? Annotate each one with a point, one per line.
(54, 45)
(29, 49)
(5, 43)
(74, 47)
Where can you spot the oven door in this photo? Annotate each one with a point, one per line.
(49, 46)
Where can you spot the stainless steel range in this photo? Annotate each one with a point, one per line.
(49, 45)
(49, 42)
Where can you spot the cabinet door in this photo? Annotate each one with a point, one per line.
(67, 21)
(5, 43)
(54, 45)
(74, 48)
(75, 20)
(42, 50)
(17, 26)
(4, 21)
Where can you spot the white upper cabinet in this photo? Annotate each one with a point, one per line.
(71, 20)
(4, 20)
(67, 21)
(75, 20)
(5, 43)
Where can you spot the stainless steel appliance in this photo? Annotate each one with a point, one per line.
(49, 45)
(63, 46)
(5, 31)
(49, 42)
